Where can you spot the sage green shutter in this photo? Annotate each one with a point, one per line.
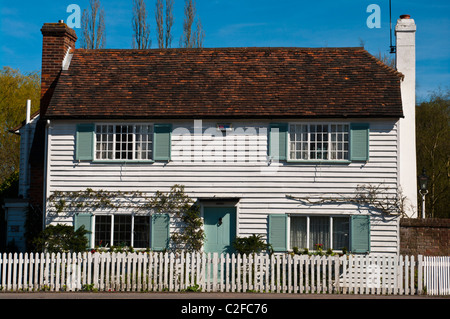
(86, 221)
(160, 231)
(277, 232)
(161, 142)
(359, 142)
(360, 234)
(84, 142)
(278, 141)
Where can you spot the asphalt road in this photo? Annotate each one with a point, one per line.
(200, 295)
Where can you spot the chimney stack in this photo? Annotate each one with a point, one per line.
(58, 38)
(405, 32)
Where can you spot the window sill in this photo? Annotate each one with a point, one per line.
(123, 161)
(319, 161)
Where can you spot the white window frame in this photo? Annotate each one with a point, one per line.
(112, 229)
(133, 142)
(329, 143)
(308, 229)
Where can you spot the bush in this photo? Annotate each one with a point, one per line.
(62, 238)
(250, 245)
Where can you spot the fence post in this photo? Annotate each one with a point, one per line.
(419, 274)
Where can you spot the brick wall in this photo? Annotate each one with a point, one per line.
(428, 236)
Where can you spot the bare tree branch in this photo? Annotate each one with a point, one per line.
(141, 29)
(377, 197)
(164, 26)
(93, 27)
(191, 38)
(169, 23)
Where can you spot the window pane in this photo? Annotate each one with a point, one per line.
(298, 141)
(341, 228)
(141, 232)
(122, 230)
(339, 142)
(143, 142)
(124, 142)
(104, 139)
(298, 232)
(102, 231)
(319, 141)
(319, 232)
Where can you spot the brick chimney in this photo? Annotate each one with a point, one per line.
(405, 32)
(58, 38)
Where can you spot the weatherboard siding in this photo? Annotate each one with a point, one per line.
(262, 188)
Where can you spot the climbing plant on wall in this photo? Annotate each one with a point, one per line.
(188, 231)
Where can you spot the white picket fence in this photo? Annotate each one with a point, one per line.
(284, 273)
(437, 275)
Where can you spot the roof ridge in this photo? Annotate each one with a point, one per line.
(226, 49)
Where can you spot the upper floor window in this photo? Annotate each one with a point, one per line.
(124, 142)
(318, 141)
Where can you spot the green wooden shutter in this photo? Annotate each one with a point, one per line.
(278, 141)
(161, 142)
(84, 142)
(359, 142)
(86, 221)
(277, 233)
(160, 231)
(360, 234)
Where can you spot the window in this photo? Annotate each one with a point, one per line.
(310, 231)
(103, 231)
(122, 230)
(319, 141)
(124, 142)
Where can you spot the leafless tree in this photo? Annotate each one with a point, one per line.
(141, 29)
(93, 26)
(164, 28)
(191, 38)
(199, 35)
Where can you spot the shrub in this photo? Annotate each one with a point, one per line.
(250, 245)
(62, 238)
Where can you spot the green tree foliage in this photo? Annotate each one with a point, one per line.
(15, 89)
(433, 151)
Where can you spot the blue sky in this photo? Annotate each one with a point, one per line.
(249, 23)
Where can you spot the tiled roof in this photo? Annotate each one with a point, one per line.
(226, 83)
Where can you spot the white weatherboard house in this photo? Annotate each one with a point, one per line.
(259, 137)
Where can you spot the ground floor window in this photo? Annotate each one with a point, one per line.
(327, 231)
(122, 230)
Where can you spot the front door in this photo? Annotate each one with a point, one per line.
(220, 229)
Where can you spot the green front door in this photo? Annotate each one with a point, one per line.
(220, 229)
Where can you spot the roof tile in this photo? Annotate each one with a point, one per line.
(227, 82)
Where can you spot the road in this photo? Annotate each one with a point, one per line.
(200, 295)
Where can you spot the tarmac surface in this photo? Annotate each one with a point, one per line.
(200, 295)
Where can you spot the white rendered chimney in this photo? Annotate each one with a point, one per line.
(405, 32)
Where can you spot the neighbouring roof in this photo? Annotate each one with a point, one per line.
(226, 83)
